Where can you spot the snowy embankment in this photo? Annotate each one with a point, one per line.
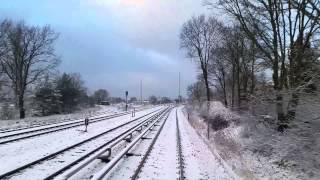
(255, 150)
(200, 162)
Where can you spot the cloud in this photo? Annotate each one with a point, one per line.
(114, 44)
(148, 23)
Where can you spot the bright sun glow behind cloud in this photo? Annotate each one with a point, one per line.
(132, 2)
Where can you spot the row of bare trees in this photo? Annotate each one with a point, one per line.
(280, 37)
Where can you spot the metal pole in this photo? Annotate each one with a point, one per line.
(141, 91)
(126, 100)
(179, 89)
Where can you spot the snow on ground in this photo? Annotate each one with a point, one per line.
(256, 150)
(43, 126)
(24, 151)
(200, 162)
(162, 162)
(126, 166)
(34, 121)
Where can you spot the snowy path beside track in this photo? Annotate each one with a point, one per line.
(199, 161)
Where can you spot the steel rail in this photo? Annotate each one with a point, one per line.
(66, 121)
(101, 174)
(179, 148)
(52, 129)
(53, 123)
(58, 125)
(50, 156)
(145, 156)
(82, 162)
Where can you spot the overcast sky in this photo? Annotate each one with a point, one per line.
(114, 44)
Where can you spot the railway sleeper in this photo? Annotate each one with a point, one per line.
(106, 157)
(139, 129)
(128, 154)
(146, 138)
(128, 138)
(146, 124)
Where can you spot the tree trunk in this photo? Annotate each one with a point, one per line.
(207, 85)
(238, 83)
(205, 76)
(245, 86)
(252, 77)
(292, 107)
(225, 97)
(232, 86)
(224, 88)
(282, 123)
(21, 106)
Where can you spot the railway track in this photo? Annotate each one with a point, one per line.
(179, 149)
(4, 139)
(150, 147)
(82, 148)
(53, 123)
(113, 162)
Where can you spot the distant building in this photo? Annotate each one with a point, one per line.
(106, 103)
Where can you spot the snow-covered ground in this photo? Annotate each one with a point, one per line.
(162, 163)
(200, 162)
(24, 151)
(35, 121)
(254, 149)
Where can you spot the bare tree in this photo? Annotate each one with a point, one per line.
(218, 69)
(282, 31)
(29, 54)
(196, 92)
(199, 36)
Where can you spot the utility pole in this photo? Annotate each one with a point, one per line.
(141, 91)
(179, 89)
(127, 100)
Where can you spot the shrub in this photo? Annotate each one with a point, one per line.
(218, 122)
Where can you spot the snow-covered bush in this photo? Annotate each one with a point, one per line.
(7, 112)
(219, 116)
(255, 149)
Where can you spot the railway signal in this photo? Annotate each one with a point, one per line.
(86, 123)
(127, 100)
(134, 112)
